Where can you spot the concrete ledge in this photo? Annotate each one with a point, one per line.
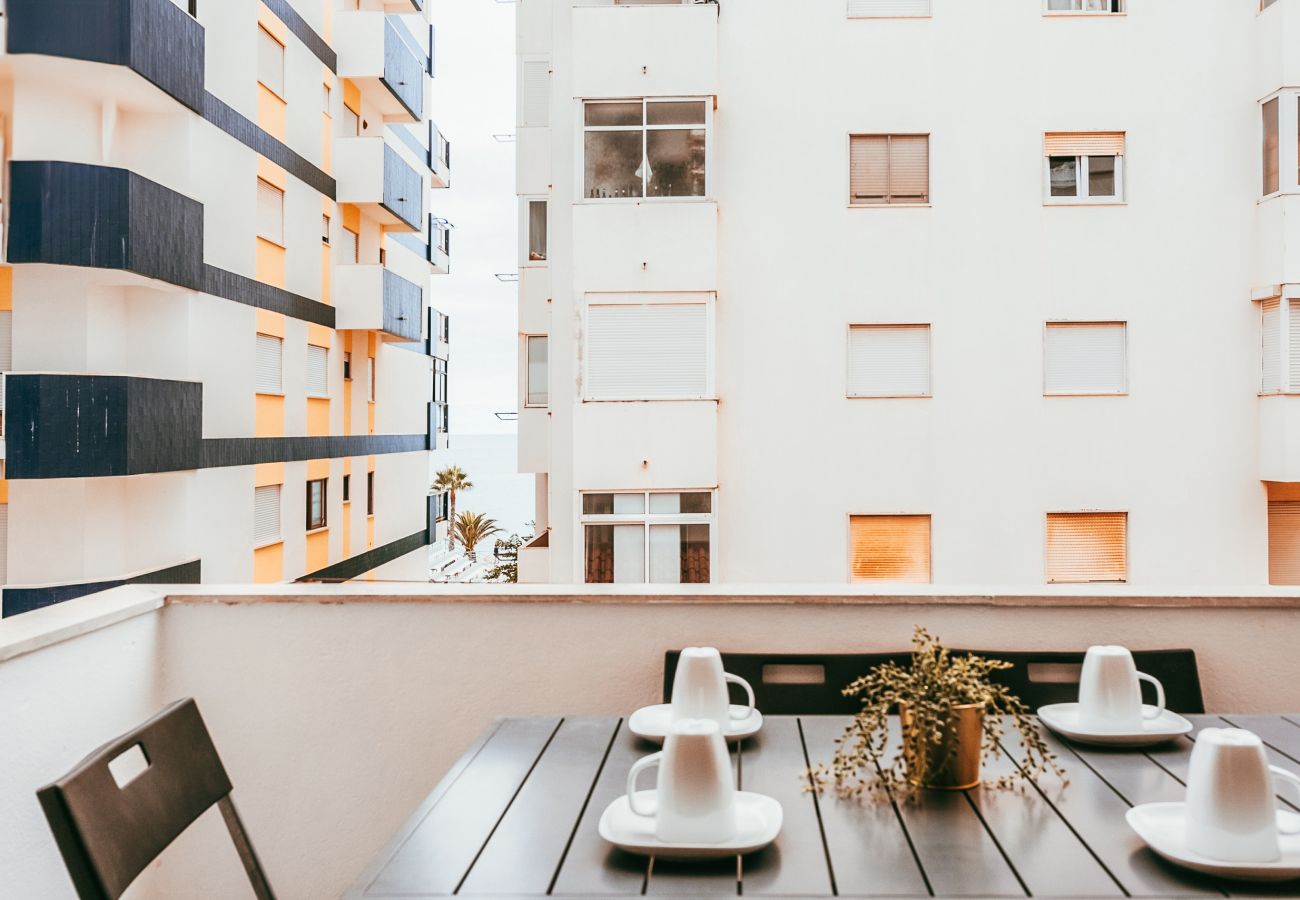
(63, 621)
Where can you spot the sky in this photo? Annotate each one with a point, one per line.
(474, 98)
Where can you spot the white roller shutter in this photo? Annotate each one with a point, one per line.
(867, 9)
(351, 246)
(889, 361)
(535, 93)
(270, 212)
(1283, 542)
(6, 340)
(1293, 343)
(1270, 346)
(318, 376)
(1085, 358)
(270, 364)
(648, 352)
(266, 514)
(270, 61)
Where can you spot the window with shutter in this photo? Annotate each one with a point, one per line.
(269, 365)
(889, 361)
(1083, 166)
(536, 231)
(1284, 542)
(537, 370)
(1293, 344)
(1271, 346)
(266, 514)
(889, 169)
(535, 93)
(270, 61)
(351, 246)
(351, 122)
(879, 9)
(325, 229)
(1087, 547)
(651, 352)
(318, 380)
(372, 374)
(1085, 6)
(1085, 358)
(890, 548)
(1272, 129)
(6, 340)
(270, 212)
(316, 506)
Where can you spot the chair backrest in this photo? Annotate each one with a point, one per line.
(109, 827)
(1042, 678)
(788, 684)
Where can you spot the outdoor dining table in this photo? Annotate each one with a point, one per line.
(517, 815)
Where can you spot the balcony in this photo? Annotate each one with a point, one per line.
(374, 176)
(403, 6)
(535, 560)
(372, 298)
(295, 700)
(71, 214)
(647, 246)
(660, 50)
(439, 245)
(373, 54)
(156, 39)
(1279, 437)
(87, 426)
(439, 158)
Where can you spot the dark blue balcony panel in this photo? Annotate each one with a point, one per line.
(402, 302)
(404, 71)
(25, 599)
(154, 38)
(403, 189)
(89, 426)
(72, 214)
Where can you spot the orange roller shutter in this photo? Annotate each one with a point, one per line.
(1284, 542)
(1084, 143)
(890, 548)
(909, 167)
(1086, 547)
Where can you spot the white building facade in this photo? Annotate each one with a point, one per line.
(910, 291)
(219, 354)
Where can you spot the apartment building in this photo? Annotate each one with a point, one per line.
(218, 348)
(999, 293)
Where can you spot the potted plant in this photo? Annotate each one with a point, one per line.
(951, 717)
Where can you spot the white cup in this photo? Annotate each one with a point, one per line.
(700, 688)
(696, 796)
(1110, 697)
(1231, 808)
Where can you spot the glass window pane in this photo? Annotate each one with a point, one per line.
(695, 554)
(698, 502)
(1101, 176)
(629, 554)
(665, 504)
(676, 163)
(1271, 131)
(597, 504)
(600, 554)
(1062, 5)
(613, 164)
(538, 389)
(666, 553)
(1064, 175)
(614, 113)
(629, 504)
(691, 113)
(536, 230)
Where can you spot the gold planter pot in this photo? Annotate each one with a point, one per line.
(954, 763)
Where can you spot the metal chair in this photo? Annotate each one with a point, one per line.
(1041, 678)
(110, 827)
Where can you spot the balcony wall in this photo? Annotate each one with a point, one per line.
(1277, 33)
(331, 745)
(154, 38)
(647, 246)
(372, 298)
(672, 444)
(373, 175)
(1279, 438)
(645, 51)
(389, 72)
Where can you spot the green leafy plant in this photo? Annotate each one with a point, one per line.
(449, 481)
(472, 529)
(936, 683)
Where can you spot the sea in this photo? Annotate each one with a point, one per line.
(499, 491)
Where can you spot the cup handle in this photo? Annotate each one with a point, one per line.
(749, 693)
(1294, 780)
(638, 767)
(1160, 696)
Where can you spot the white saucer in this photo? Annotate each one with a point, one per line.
(1163, 826)
(652, 722)
(758, 821)
(1063, 718)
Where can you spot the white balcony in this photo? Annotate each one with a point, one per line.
(373, 54)
(1277, 33)
(439, 159)
(534, 296)
(372, 175)
(661, 50)
(1279, 438)
(535, 560)
(534, 439)
(648, 245)
(675, 441)
(371, 298)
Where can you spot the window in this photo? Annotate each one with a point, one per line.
(370, 493)
(371, 374)
(889, 548)
(1284, 542)
(889, 169)
(652, 352)
(1085, 167)
(325, 230)
(347, 488)
(535, 93)
(316, 504)
(318, 373)
(1272, 172)
(1280, 345)
(1265, 4)
(889, 361)
(536, 230)
(270, 62)
(1086, 6)
(269, 365)
(659, 538)
(536, 388)
(347, 365)
(266, 515)
(270, 212)
(1087, 547)
(1085, 358)
(876, 9)
(351, 246)
(325, 99)
(645, 148)
(351, 122)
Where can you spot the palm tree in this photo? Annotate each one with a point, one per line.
(472, 529)
(449, 481)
